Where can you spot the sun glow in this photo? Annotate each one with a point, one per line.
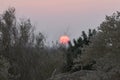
(64, 39)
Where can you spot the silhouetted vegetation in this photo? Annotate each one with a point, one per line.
(24, 55)
(23, 52)
(75, 50)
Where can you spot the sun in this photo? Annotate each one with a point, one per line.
(64, 39)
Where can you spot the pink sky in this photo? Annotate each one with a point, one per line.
(61, 6)
(59, 14)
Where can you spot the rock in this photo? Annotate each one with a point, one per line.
(79, 75)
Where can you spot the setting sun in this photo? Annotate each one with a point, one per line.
(64, 39)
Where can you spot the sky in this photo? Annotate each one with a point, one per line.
(56, 17)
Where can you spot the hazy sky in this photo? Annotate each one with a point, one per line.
(54, 17)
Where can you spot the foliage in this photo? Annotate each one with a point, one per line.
(75, 51)
(25, 51)
(4, 66)
(105, 49)
(24, 55)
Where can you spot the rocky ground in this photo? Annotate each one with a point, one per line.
(79, 75)
(87, 75)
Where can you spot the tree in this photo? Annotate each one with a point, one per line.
(75, 50)
(105, 49)
(6, 28)
(17, 46)
(40, 40)
(4, 66)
